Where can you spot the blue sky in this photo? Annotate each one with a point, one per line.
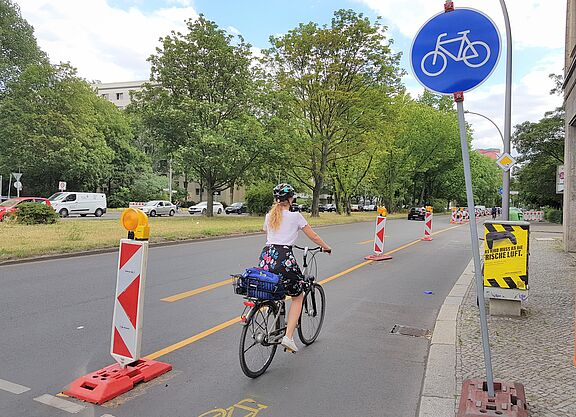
(109, 40)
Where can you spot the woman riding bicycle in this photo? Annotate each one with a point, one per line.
(281, 227)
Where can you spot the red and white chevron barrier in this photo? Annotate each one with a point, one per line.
(379, 236)
(428, 226)
(109, 382)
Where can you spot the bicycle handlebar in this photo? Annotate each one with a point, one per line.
(316, 249)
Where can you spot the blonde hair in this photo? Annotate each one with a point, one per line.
(275, 214)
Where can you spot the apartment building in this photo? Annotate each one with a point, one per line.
(119, 94)
(570, 138)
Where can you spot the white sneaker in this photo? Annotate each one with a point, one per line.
(289, 344)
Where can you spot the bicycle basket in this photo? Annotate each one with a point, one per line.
(259, 283)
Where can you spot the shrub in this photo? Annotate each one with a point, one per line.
(35, 213)
(259, 198)
(440, 205)
(553, 215)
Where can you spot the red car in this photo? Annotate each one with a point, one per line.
(10, 206)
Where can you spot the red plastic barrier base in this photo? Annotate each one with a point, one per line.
(112, 381)
(509, 400)
(426, 238)
(380, 257)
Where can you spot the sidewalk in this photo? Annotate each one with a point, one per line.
(536, 349)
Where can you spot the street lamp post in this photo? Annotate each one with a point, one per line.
(507, 111)
(505, 174)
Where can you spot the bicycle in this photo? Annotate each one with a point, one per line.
(467, 51)
(264, 325)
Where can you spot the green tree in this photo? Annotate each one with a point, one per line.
(201, 103)
(541, 146)
(50, 131)
(327, 74)
(18, 46)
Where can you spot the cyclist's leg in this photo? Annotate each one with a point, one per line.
(294, 314)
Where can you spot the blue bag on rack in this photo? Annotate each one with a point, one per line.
(261, 284)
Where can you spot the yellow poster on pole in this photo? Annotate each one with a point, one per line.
(506, 254)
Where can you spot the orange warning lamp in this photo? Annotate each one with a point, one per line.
(136, 222)
(382, 211)
(429, 209)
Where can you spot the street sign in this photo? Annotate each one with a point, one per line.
(505, 162)
(17, 175)
(17, 185)
(62, 185)
(560, 179)
(455, 51)
(501, 191)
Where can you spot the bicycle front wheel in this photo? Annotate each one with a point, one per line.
(256, 353)
(312, 316)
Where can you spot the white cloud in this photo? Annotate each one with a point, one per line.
(534, 23)
(103, 42)
(233, 30)
(530, 100)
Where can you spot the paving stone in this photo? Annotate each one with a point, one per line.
(536, 349)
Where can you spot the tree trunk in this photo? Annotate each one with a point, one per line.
(186, 189)
(316, 197)
(210, 201)
(232, 193)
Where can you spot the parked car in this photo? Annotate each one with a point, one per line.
(202, 207)
(237, 208)
(67, 203)
(417, 213)
(327, 207)
(370, 207)
(159, 208)
(356, 207)
(10, 206)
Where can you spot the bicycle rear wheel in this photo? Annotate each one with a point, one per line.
(256, 353)
(312, 316)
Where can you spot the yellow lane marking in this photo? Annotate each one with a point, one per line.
(192, 339)
(366, 241)
(444, 230)
(235, 320)
(338, 275)
(190, 293)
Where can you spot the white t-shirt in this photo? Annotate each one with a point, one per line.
(287, 233)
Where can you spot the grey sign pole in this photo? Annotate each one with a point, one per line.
(475, 249)
(507, 112)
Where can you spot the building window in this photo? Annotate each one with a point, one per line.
(119, 96)
(197, 191)
(105, 96)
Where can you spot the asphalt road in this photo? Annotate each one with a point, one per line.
(56, 322)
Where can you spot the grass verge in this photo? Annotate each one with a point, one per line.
(20, 241)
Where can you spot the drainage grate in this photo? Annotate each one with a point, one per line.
(411, 331)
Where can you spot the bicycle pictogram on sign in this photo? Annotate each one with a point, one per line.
(455, 51)
(474, 54)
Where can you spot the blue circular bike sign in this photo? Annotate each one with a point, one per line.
(455, 51)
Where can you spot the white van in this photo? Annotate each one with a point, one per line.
(67, 203)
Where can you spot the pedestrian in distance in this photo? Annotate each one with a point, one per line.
(281, 226)
(494, 212)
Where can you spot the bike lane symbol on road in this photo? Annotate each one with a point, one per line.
(455, 51)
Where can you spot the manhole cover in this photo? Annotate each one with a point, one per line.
(410, 331)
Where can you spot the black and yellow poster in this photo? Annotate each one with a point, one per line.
(506, 254)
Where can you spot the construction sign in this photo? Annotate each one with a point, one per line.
(506, 254)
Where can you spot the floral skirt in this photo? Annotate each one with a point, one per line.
(280, 260)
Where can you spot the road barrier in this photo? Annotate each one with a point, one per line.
(379, 236)
(534, 216)
(136, 204)
(109, 382)
(459, 215)
(428, 226)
